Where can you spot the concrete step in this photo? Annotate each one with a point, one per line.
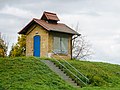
(58, 71)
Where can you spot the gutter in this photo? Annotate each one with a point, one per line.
(71, 43)
(76, 36)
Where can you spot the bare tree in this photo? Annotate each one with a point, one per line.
(81, 49)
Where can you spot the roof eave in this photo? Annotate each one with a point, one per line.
(23, 31)
(66, 32)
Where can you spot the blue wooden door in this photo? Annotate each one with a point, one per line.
(37, 46)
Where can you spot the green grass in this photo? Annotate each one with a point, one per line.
(29, 74)
(101, 75)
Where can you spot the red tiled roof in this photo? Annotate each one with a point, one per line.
(49, 26)
(59, 27)
(50, 16)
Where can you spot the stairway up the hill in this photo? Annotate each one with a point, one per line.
(58, 71)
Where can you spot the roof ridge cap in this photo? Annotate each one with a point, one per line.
(49, 12)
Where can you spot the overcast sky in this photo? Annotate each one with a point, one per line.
(99, 21)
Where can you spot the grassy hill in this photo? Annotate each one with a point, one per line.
(30, 74)
(102, 76)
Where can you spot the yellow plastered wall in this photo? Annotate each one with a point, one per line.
(37, 30)
(51, 36)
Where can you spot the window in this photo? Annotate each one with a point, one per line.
(61, 45)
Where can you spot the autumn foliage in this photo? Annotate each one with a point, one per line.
(19, 48)
(3, 48)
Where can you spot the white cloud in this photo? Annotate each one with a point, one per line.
(102, 30)
(10, 10)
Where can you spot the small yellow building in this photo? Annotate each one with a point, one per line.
(45, 36)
